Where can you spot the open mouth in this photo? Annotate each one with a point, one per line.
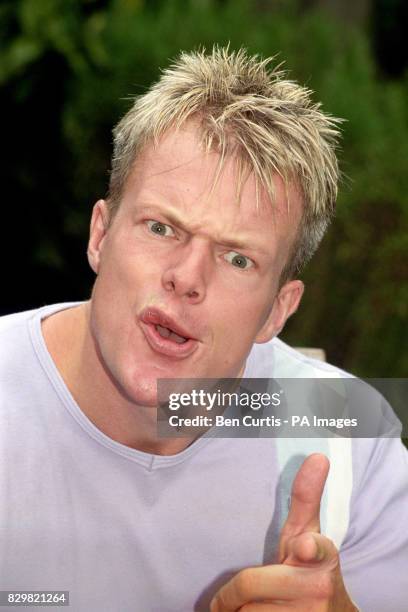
(165, 335)
(165, 332)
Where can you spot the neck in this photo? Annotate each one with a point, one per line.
(70, 343)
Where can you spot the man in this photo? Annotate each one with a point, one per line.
(223, 181)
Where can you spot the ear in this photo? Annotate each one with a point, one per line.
(97, 234)
(284, 305)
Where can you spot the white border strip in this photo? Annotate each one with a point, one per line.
(339, 487)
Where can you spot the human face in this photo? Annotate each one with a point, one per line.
(183, 255)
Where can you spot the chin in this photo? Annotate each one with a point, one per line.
(143, 391)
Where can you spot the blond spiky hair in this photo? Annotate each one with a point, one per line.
(246, 109)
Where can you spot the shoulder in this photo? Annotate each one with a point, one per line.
(15, 336)
(361, 466)
(20, 334)
(277, 359)
(18, 320)
(15, 320)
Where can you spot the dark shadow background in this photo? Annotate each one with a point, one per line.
(67, 67)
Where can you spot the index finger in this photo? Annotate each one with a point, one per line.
(307, 491)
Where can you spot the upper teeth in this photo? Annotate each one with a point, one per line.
(165, 332)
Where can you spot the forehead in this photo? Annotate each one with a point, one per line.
(179, 173)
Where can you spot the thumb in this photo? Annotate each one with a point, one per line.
(309, 550)
(307, 491)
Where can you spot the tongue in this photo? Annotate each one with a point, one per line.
(165, 332)
(177, 338)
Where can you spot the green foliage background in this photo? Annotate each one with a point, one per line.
(68, 69)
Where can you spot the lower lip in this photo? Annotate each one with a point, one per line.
(167, 347)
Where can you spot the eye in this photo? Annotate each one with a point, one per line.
(159, 228)
(239, 261)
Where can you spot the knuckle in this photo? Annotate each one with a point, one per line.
(218, 604)
(246, 583)
(323, 585)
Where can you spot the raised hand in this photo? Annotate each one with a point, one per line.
(308, 576)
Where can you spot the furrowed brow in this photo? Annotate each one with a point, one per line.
(175, 219)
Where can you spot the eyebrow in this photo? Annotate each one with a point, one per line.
(175, 219)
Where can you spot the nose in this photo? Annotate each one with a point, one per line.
(188, 271)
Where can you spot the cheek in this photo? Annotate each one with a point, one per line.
(236, 321)
(126, 268)
(234, 330)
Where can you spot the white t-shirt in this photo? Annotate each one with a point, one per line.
(123, 530)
